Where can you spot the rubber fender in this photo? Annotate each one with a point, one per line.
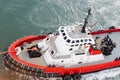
(27, 72)
(67, 77)
(76, 76)
(35, 69)
(39, 70)
(30, 68)
(33, 73)
(38, 75)
(56, 75)
(44, 75)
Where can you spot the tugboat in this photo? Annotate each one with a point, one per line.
(71, 51)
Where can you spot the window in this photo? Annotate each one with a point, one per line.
(62, 30)
(85, 43)
(88, 33)
(48, 39)
(79, 53)
(77, 41)
(68, 40)
(79, 62)
(76, 45)
(73, 41)
(90, 40)
(70, 49)
(81, 40)
(65, 37)
(62, 27)
(89, 43)
(72, 45)
(63, 34)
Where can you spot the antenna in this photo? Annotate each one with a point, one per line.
(86, 21)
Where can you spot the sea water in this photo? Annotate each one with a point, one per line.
(19, 18)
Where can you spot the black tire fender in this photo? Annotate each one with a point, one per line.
(76, 76)
(67, 77)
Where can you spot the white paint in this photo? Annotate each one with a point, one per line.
(18, 50)
(63, 56)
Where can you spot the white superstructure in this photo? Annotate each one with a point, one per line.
(69, 47)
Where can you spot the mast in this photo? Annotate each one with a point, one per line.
(86, 21)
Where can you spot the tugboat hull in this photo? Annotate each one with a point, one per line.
(13, 62)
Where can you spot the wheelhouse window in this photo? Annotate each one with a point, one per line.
(81, 40)
(63, 34)
(73, 41)
(77, 41)
(62, 30)
(65, 38)
(68, 40)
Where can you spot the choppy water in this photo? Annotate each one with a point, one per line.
(19, 18)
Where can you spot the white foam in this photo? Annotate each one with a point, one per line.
(109, 74)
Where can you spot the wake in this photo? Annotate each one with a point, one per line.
(108, 74)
